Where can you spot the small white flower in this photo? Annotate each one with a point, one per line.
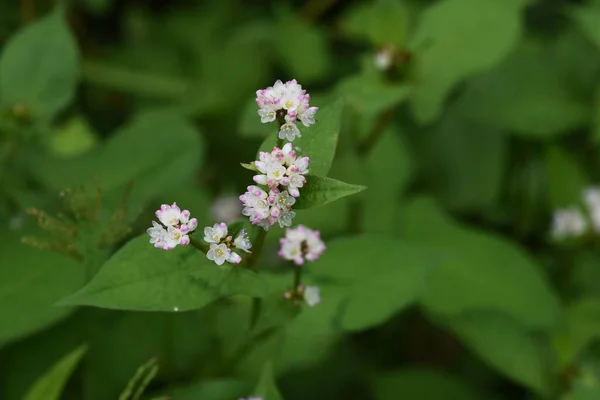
(384, 58)
(242, 241)
(169, 214)
(255, 205)
(234, 258)
(568, 223)
(175, 229)
(219, 253)
(267, 114)
(312, 295)
(216, 233)
(301, 244)
(289, 131)
(591, 197)
(286, 217)
(157, 235)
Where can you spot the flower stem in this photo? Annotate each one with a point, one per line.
(297, 276)
(259, 241)
(199, 245)
(382, 122)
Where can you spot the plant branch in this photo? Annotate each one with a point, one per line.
(199, 245)
(369, 142)
(259, 241)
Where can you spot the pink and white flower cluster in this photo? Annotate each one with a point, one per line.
(221, 244)
(301, 244)
(176, 225)
(282, 172)
(286, 103)
(282, 167)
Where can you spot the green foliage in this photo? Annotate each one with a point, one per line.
(266, 388)
(456, 39)
(139, 278)
(50, 386)
(319, 190)
(468, 122)
(422, 382)
(384, 277)
(39, 67)
(477, 270)
(506, 345)
(46, 278)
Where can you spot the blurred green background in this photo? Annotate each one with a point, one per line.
(470, 122)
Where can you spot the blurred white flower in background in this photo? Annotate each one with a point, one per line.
(227, 208)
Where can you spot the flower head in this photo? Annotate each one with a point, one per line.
(221, 244)
(219, 253)
(285, 102)
(568, 223)
(312, 295)
(242, 241)
(175, 228)
(301, 244)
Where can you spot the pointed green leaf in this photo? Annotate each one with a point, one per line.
(51, 384)
(381, 22)
(451, 45)
(505, 345)
(478, 269)
(318, 141)
(379, 275)
(319, 190)
(39, 67)
(28, 293)
(142, 278)
(266, 387)
(566, 178)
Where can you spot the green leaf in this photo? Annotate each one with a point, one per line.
(370, 94)
(318, 141)
(455, 146)
(581, 329)
(478, 270)
(249, 123)
(140, 381)
(28, 293)
(301, 47)
(266, 387)
(422, 383)
(275, 311)
(171, 149)
(451, 45)
(566, 179)
(50, 386)
(586, 18)
(378, 275)
(318, 191)
(39, 67)
(381, 22)
(141, 278)
(74, 138)
(506, 345)
(586, 387)
(387, 168)
(526, 94)
(224, 389)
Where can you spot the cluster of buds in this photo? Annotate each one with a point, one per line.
(311, 295)
(175, 228)
(572, 223)
(79, 223)
(301, 244)
(221, 244)
(285, 103)
(282, 172)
